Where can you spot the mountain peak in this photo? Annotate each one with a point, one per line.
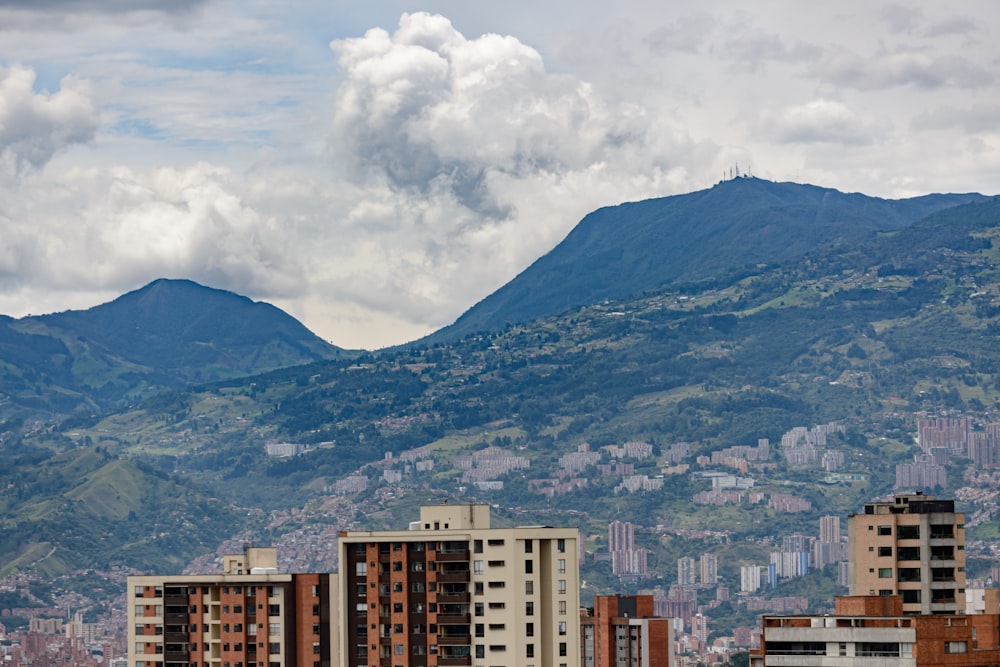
(624, 250)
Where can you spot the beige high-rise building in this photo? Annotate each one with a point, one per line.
(453, 590)
(913, 546)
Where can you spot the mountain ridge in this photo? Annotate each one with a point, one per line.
(164, 335)
(623, 250)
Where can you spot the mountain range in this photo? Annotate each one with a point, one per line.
(709, 320)
(709, 236)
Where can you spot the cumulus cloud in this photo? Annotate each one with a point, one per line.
(100, 6)
(752, 48)
(900, 18)
(904, 67)
(975, 119)
(474, 159)
(428, 109)
(685, 34)
(114, 229)
(35, 126)
(819, 121)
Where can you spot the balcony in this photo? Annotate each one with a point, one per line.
(454, 640)
(453, 618)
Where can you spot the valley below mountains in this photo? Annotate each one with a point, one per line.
(620, 377)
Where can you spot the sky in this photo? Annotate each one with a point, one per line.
(377, 167)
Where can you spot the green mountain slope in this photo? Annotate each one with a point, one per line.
(904, 323)
(83, 508)
(869, 334)
(713, 234)
(168, 334)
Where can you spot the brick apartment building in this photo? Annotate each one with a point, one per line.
(248, 616)
(623, 631)
(873, 631)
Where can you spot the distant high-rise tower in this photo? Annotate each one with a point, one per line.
(749, 578)
(621, 536)
(709, 565)
(829, 529)
(625, 558)
(686, 572)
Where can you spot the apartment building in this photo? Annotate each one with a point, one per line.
(873, 631)
(250, 615)
(912, 546)
(453, 590)
(623, 631)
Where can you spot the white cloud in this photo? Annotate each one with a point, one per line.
(112, 230)
(903, 67)
(35, 126)
(819, 121)
(976, 119)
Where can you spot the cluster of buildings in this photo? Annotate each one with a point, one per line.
(52, 642)
(939, 440)
(908, 601)
(452, 590)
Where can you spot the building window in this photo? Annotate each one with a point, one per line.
(480, 609)
(562, 627)
(498, 584)
(885, 573)
(477, 546)
(480, 630)
(480, 651)
(494, 543)
(955, 647)
(529, 608)
(498, 605)
(529, 567)
(478, 587)
(529, 650)
(561, 586)
(397, 566)
(529, 546)
(562, 607)
(562, 649)
(529, 629)
(477, 567)
(561, 566)
(274, 648)
(885, 530)
(496, 563)
(885, 551)
(529, 587)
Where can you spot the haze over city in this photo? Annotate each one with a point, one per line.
(376, 168)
